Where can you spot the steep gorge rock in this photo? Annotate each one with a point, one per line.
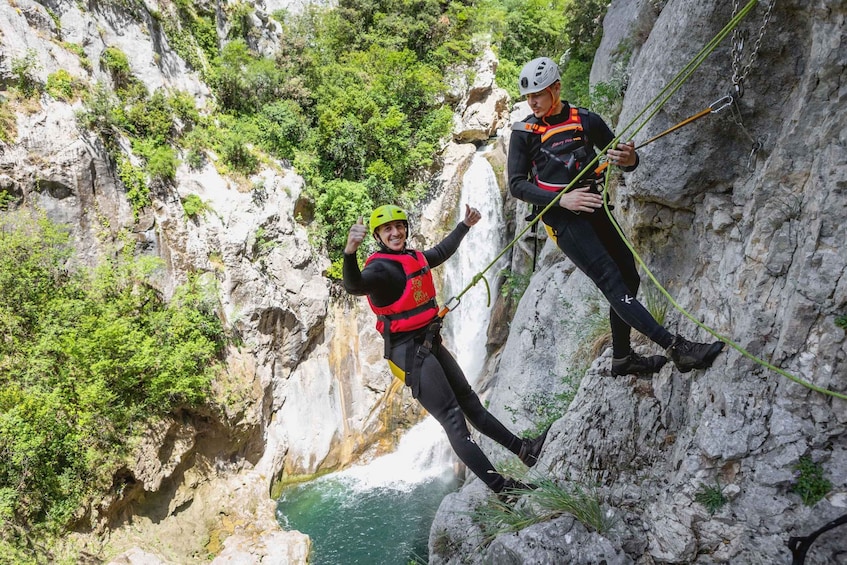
(752, 247)
(200, 483)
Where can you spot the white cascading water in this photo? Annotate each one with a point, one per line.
(424, 453)
(466, 327)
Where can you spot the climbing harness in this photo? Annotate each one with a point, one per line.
(650, 110)
(415, 356)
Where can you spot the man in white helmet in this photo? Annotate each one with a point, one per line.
(548, 149)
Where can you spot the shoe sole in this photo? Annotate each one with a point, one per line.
(639, 374)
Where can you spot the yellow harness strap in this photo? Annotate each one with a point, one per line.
(397, 371)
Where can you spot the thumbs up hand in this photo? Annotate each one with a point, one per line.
(355, 236)
(472, 216)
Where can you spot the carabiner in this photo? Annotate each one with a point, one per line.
(724, 102)
(450, 305)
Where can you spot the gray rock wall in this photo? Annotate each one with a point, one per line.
(754, 248)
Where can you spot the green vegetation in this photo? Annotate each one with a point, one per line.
(61, 85)
(23, 73)
(77, 50)
(711, 497)
(656, 303)
(353, 98)
(809, 481)
(548, 500)
(514, 285)
(841, 322)
(85, 361)
(8, 123)
(194, 207)
(567, 31)
(115, 61)
(545, 407)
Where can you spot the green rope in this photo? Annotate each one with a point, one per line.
(659, 99)
(688, 315)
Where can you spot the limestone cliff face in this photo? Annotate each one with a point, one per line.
(295, 398)
(753, 247)
(305, 389)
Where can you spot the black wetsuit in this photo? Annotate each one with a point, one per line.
(589, 239)
(443, 389)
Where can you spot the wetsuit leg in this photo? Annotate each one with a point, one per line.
(479, 417)
(439, 400)
(623, 258)
(579, 239)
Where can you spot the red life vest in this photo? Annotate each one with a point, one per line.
(564, 149)
(416, 307)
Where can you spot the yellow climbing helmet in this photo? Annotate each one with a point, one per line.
(385, 214)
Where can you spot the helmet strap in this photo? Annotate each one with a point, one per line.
(556, 106)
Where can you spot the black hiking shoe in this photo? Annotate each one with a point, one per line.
(635, 364)
(531, 448)
(512, 490)
(687, 355)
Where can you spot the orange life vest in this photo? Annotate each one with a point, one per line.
(416, 307)
(564, 149)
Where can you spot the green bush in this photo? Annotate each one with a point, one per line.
(809, 481)
(281, 128)
(100, 113)
(115, 61)
(194, 207)
(135, 183)
(23, 71)
(60, 85)
(151, 118)
(237, 154)
(84, 360)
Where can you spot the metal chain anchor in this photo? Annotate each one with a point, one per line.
(740, 73)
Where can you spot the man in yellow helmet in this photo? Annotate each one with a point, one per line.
(547, 151)
(398, 284)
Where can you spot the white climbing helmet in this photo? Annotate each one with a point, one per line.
(537, 75)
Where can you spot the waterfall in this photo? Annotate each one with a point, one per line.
(381, 512)
(424, 453)
(466, 328)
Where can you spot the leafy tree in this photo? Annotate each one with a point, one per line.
(84, 359)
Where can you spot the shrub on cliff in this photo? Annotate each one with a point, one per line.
(85, 360)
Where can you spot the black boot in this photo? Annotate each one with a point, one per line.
(635, 364)
(512, 490)
(531, 448)
(688, 355)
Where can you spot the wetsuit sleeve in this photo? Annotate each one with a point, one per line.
(384, 281)
(447, 247)
(600, 135)
(353, 281)
(519, 165)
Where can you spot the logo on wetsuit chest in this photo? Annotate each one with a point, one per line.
(563, 142)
